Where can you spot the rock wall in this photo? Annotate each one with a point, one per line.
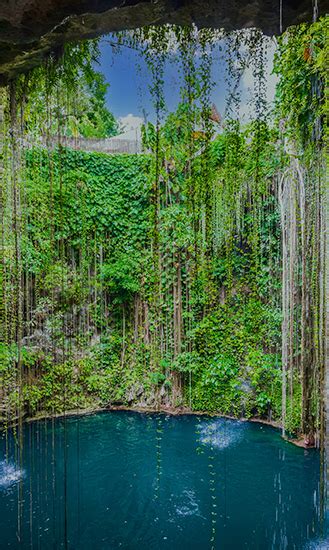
(29, 29)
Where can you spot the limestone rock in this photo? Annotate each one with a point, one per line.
(30, 29)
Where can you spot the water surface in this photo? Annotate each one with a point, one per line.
(143, 481)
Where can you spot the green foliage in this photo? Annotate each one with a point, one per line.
(70, 88)
(217, 387)
(186, 362)
(100, 215)
(90, 202)
(265, 379)
(301, 62)
(94, 120)
(157, 378)
(122, 277)
(294, 410)
(156, 279)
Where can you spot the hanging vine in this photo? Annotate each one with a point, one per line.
(163, 269)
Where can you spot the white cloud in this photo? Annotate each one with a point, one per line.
(131, 127)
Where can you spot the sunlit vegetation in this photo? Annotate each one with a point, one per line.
(190, 276)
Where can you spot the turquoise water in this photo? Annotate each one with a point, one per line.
(143, 481)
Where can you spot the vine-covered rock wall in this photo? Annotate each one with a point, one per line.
(90, 321)
(191, 276)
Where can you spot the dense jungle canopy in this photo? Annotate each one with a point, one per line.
(188, 277)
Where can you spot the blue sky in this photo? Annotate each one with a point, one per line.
(128, 96)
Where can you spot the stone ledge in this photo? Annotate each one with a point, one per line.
(30, 29)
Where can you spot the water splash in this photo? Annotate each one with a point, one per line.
(220, 434)
(318, 545)
(9, 475)
(189, 505)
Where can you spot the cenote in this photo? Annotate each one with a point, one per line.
(164, 246)
(131, 480)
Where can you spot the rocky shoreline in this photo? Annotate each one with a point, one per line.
(178, 411)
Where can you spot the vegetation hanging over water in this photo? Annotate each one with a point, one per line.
(189, 276)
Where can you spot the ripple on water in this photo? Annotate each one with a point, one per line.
(9, 475)
(220, 433)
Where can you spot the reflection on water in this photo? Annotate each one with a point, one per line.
(142, 481)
